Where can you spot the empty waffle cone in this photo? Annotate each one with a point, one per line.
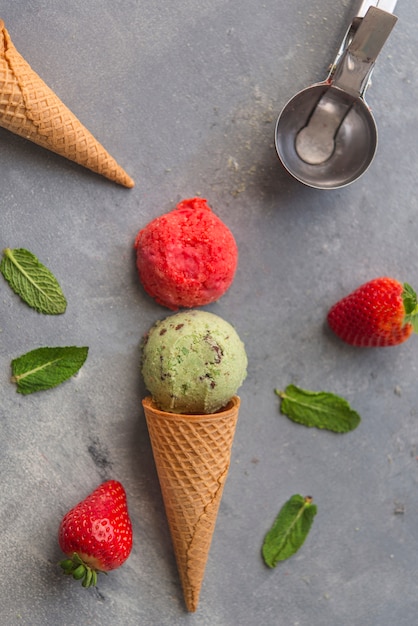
(29, 108)
(192, 455)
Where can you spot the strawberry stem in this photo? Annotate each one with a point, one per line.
(410, 303)
(74, 566)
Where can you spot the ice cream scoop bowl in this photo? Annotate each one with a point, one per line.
(326, 135)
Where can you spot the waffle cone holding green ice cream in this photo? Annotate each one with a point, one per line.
(193, 364)
(192, 454)
(30, 109)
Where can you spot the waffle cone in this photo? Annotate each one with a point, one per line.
(192, 455)
(29, 108)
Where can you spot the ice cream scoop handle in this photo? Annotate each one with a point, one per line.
(384, 5)
(353, 70)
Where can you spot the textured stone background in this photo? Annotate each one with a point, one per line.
(185, 96)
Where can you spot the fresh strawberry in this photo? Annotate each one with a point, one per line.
(96, 535)
(382, 312)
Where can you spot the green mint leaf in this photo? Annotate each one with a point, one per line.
(410, 303)
(44, 368)
(318, 408)
(289, 530)
(32, 281)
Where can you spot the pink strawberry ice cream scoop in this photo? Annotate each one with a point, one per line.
(187, 257)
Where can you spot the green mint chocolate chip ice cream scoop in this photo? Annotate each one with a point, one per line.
(193, 362)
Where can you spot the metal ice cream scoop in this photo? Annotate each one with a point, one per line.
(326, 135)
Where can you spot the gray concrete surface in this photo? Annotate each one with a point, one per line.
(185, 96)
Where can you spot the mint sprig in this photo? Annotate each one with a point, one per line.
(32, 281)
(320, 409)
(289, 530)
(45, 368)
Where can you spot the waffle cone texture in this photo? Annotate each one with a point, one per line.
(30, 109)
(192, 455)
